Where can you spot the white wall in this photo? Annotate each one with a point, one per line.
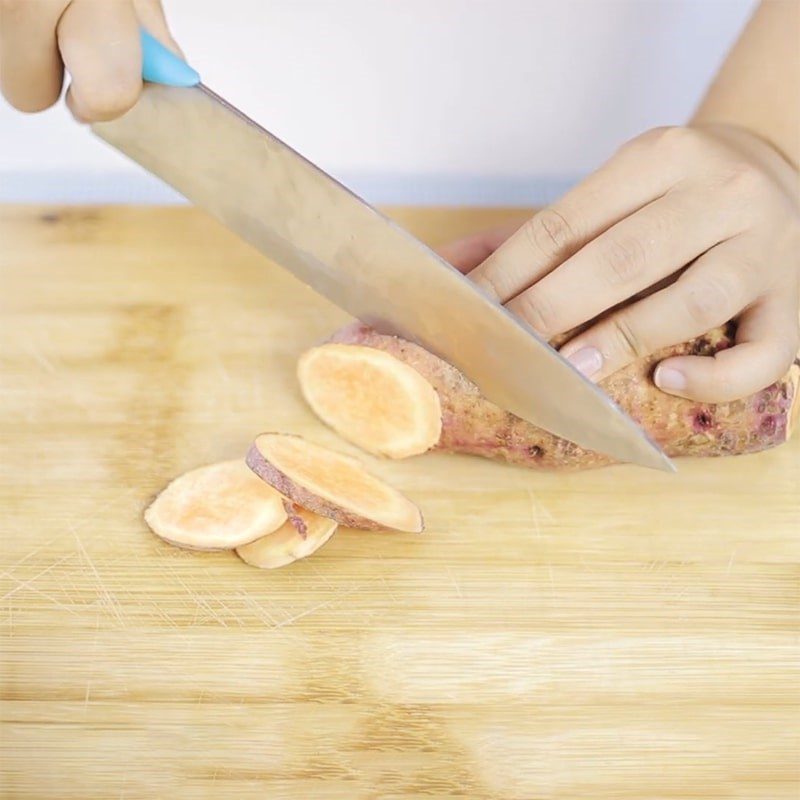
(415, 100)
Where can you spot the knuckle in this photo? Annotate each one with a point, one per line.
(650, 137)
(550, 233)
(674, 138)
(623, 260)
(627, 340)
(710, 302)
(643, 143)
(487, 280)
(745, 178)
(539, 311)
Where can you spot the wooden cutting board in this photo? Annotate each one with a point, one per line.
(616, 634)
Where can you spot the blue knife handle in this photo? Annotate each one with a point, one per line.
(160, 65)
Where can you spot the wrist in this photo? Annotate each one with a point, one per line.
(755, 147)
(749, 127)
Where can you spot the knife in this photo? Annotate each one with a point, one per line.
(344, 249)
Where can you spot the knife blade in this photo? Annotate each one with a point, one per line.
(344, 249)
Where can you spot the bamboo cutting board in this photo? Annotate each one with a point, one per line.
(615, 634)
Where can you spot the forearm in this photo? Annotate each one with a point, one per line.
(758, 87)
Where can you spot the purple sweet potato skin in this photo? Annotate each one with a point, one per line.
(297, 494)
(471, 424)
(297, 522)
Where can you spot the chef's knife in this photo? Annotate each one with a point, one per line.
(347, 251)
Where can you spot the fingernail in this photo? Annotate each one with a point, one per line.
(669, 379)
(587, 360)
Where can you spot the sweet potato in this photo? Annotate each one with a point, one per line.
(330, 484)
(291, 542)
(469, 423)
(216, 507)
(389, 408)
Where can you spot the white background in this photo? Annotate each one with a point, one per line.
(438, 101)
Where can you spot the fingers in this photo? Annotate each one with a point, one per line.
(31, 72)
(630, 180)
(651, 244)
(710, 293)
(465, 254)
(767, 341)
(99, 41)
(151, 15)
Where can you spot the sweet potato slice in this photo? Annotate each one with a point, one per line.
(330, 484)
(216, 507)
(288, 543)
(371, 398)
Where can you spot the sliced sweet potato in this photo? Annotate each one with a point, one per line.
(216, 507)
(330, 484)
(371, 398)
(289, 543)
(471, 424)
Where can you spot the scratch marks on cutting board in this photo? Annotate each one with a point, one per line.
(453, 580)
(200, 602)
(731, 562)
(61, 591)
(538, 512)
(9, 573)
(319, 574)
(107, 598)
(52, 600)
(259, 610)
(72, 526)
(40, 358)
(68, 386)
(29, 583)
(330, 602)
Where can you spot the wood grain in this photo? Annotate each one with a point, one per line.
(615, 634)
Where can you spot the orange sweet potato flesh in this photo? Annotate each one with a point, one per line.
(299, 537)
(471, 424)
(216, 507)
(330, 484)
